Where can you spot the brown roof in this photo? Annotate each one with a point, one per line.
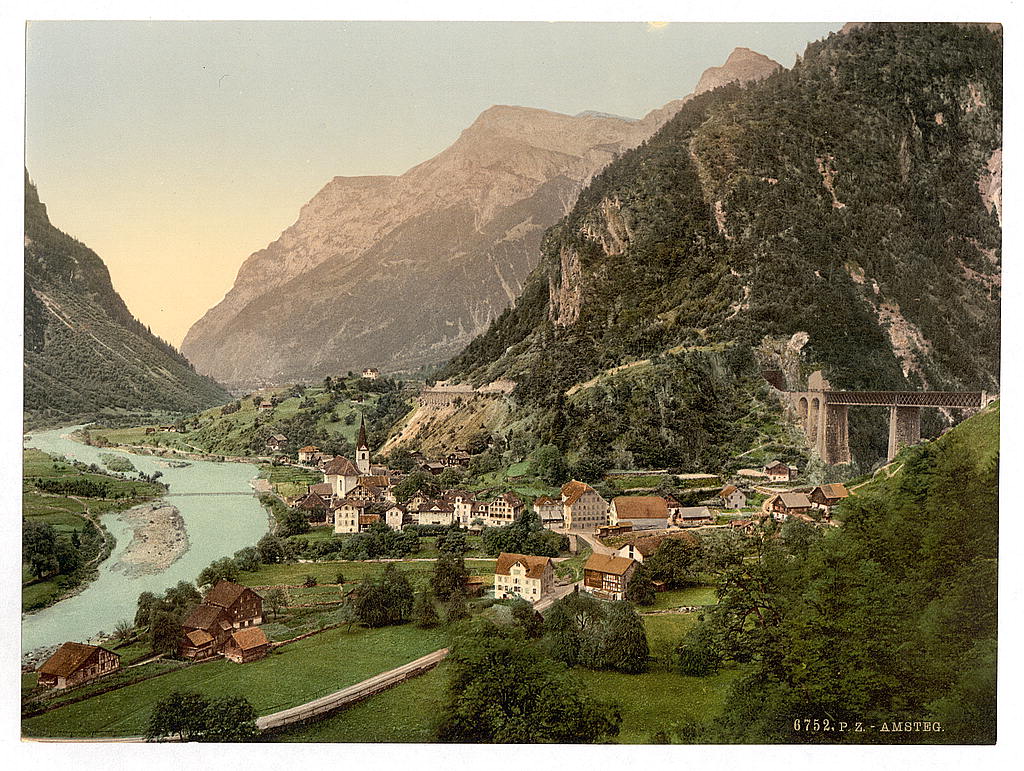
(198, 637)
(545, 500)
(535, 566)
(341, 466)
(794, 500)
(693, 512)
(573, 491)
(323, 488)
(641, 507)
(834, 490)
(351, 502)
(249, 638)
(436, 506)
(203, 617)
(607, 563)
(68, 658)
(311, 501)
(512, 499)
(368, 519)
(309, 448)
(727, 491)
(374, 481)
(225, 594)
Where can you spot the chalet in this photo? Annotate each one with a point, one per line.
(549, 511)
(314, 506)
(520, 575)
(307, 453)
(277, 442)
(371, 373)
(583, 508)
(785, 505)
(607, 576)
(396, 517)
(462, 503)
(434, 467)
(732, 497)
(347, 512)
(645, 512)
(777, 471)
(204, 631)
(694, 516)
(826, 496)
(246, 645)
(364, 492)
(76, 663)
(456, 458)
(243, 605)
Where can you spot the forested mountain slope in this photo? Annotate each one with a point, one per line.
(85, 354)
(854, 198)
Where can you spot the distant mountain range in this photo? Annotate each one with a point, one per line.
(86, 356)
(400, 272)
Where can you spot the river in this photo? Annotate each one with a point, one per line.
(217, 526)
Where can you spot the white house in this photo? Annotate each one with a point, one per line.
(521, 575)
(583, 508)
(732, 497)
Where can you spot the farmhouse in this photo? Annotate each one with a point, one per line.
(732, 497)
(826, 496)
(76, 663)
(646, 512)
(266, 405)
(785, 505)
(520, 575)
(246, 645)
(777, 471)
(243, 606)
(277, 442)
(583, 508)
(607, 576)
(204, 631)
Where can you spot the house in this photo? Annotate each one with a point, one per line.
(732, 497)
(607, 531)
(694, 516)
(826, 496)
(314, 507)
(396, 516)
(266, 405)
(549, 511)
(645, 512)
(366, 521)
(504, 510)
(435, 513)
(204, 631)
(371, 373)
(785, 505)
(277, 442)
(607, 576)
(640, 549)
(583, 508)
(462, 502)
(521, 575)
(433, 467)
(456, 458)
(243, 606)
(745, 526)
(76, 663)
(347, 512)
(246, 645)
(308, 453)
(777, 471)
(323, 489)
(475, 586)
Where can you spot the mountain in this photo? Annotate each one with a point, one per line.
(842, 215)
(357, 280)
(85, 354)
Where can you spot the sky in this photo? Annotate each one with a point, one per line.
(176, 149)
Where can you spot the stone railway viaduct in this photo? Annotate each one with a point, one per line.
(823, 414)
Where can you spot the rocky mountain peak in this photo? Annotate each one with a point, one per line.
(743, 65)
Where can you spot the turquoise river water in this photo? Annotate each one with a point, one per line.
(217, 526)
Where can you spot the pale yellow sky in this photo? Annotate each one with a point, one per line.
(176, 149)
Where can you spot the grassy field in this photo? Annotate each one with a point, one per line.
(292, 675)
(574, 565)
(293, 574)
(675, 598)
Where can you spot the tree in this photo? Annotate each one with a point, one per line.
(571, 628)
(623, 640)
(423, 612)
(292, 522)
(449, 576)
(450, 477)
(164, 632)
(39, 544)
(387, 600)
(223, 569)
(247, 559)
(229, 719)
(309, 580)
(181, 714)
(276, 599)
(640, 590)
(676, 562)
(453, 542)
(503, 690)
(417, 482)
(456, 609)
(549, 464)
(123, 631)
(528, 619)
(271, 550)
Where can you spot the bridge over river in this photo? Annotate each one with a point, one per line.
(823, 413)
(198, 495)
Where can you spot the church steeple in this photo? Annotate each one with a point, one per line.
(362, 449)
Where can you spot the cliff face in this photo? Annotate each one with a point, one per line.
(852, 204)
(396, 272)
(85, 354)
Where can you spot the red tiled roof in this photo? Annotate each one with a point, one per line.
(641, 507)
(249, 638)
(66, 660)
(606, 563)
(573, 491)
(309, 448)
(535, 566)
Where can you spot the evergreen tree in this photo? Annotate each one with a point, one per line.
(623, 640)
